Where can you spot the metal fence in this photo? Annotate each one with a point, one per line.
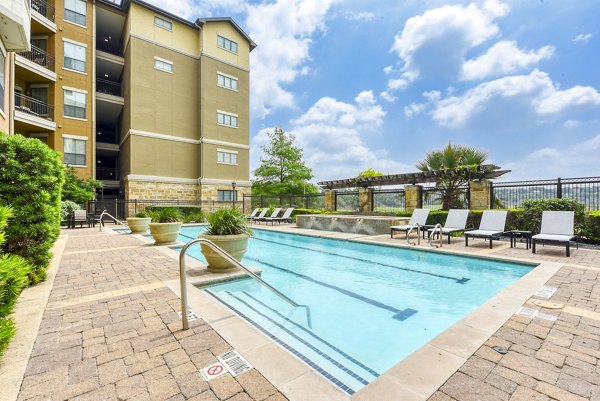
(388, 200)
(512, 194)
(433, 198)
(307, 201)
(347, 201)
(123, 208)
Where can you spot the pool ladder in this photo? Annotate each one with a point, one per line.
(210, 244)
(416, 225)
(101, 219)
(438, 227)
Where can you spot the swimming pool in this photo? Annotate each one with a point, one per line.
(371, 305)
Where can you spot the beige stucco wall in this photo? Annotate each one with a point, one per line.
(4, 112)
(159, 157)
(211, 29)
(215, 170)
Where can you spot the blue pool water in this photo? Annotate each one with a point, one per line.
(371, 305)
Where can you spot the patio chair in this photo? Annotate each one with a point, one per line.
(260, 216)
(286, 218)
(251, 215)
(455, 222)
(274, 214)
(491, 226)
(557, 228)
(79, 216)
(419, 217)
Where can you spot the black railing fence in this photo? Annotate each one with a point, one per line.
(388, 200)
(512, 194)
(307, 201)
(347, 201)
(433, 198)
(108, 87)
(39, 56)
(123, 208)
(43, 8)
(33, 106)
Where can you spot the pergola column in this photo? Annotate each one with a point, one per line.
(413, 197)
(330, 200)
(479, 195)
(365, 200)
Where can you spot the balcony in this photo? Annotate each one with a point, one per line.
(43, 16)
(108, 87)
(15, 24)
(106, 173)
(44, 9)
(34, 112)
(109, 46)
(35, 63)
(40, 57)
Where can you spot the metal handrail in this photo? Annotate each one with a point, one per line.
(418, 234)
(431, 236)
(105, 213)
(228, 257)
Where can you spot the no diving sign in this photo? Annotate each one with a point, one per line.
(212, 371)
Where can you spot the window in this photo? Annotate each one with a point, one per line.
(227, 44)
(75, 151)
(74, 57)
(75, 11)
(2, 79)
(163, 23)
(163, 65)
(74, 104)
(229, 120)
(226, 195)
(226, 81)
(226, 157)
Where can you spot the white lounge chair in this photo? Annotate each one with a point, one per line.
(419, 216)
(491, 226)
(273, 215)
(455, 222)
(557, 227)
(286, 218)
(260, 216)
(251, 215)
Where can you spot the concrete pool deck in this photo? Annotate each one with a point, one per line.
(109, 330)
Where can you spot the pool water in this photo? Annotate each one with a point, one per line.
(371, 305)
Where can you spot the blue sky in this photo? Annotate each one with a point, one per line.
(380, 83)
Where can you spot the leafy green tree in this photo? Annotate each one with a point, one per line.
(451, 157)
(282, 169)
(78, 190)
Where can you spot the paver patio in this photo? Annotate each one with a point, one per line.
(110, 331)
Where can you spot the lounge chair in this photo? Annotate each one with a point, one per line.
(286, 218)
(260, 216)
(419, 216)
(557, 227)
(273, 215)
(455, 222)
(251, 215)
(491, 226)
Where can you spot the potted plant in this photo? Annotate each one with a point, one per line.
(229, 230)
(139, 223)
(166, 224)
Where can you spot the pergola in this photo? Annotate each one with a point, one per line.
(485, 171)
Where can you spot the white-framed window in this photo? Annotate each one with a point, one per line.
(163, 65)
(227, 156)
(75, 11)
(227, 81)
(230, 120)
(2, 78)
(75, 103)
(227, 44)
(75, 150)
(226, 195)
(163, 23)
(74, 56)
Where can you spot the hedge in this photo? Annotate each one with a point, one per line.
(31, 179)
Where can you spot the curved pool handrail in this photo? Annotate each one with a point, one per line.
(431, 236)
(416, 225)
(105, 213)
(183, 280)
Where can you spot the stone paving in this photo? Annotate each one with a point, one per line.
(110, 332)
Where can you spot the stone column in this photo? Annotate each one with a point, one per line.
(479, 193)
(365, 200)
(330, 200)
(413, 197)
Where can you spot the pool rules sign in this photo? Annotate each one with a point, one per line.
(230, 362)
(212, 371)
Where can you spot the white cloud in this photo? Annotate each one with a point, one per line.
(360, 16)
(519, 98)
(571, 161)
(191, 10)
(435, 44)
(388, 97)
(504, 57)
(334, 136)
(583, 37)
(283, 30)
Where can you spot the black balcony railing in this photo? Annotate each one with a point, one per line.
(43, 8)
(106, 173)
(109, 46)
(33, 106)
(39, 56)
(108, 87)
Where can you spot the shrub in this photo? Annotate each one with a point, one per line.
(166, 215)
(532, 212)
(78, 190)
(194, 217)
(591, 227)
(142, 215)
(31, 178)
(227, 221)
(66, 208)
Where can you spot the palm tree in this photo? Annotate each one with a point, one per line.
(451, 157)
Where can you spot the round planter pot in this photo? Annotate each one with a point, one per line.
(138, 224)
(235, 245)
(165, 232)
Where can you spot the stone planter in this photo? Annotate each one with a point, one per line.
(235, 245)
(138, 224)
(165, 232)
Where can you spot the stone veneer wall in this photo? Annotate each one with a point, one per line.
(151, 190)
(208, 194)
(480, 195)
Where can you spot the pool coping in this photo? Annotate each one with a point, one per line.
(416, 377)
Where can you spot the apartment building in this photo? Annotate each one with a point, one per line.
(152, 105)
